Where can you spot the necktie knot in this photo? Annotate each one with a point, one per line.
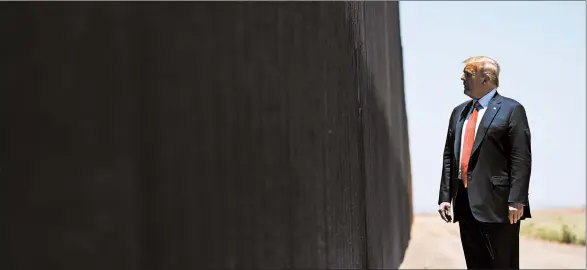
(477, 105)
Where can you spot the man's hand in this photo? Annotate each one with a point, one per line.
(516, 212)
(444, 211)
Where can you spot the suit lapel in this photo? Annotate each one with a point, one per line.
(459, 130)
(490, 112)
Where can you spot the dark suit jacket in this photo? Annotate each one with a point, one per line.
(500, 164)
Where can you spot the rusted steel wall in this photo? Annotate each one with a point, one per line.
(195, 135)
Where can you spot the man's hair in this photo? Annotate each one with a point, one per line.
(489, 66)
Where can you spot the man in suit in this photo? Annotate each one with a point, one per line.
(486, 169)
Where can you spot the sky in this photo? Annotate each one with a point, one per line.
(540, 47)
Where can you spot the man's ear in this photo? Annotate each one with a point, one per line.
(485, 80)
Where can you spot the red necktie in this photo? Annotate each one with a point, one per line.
(468, 143)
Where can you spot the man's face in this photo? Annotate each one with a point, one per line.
(473, 80)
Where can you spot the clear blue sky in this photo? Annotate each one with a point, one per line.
(541, 50)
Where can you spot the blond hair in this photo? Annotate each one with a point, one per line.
(488, 66)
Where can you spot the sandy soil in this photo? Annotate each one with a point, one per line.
(436, 245)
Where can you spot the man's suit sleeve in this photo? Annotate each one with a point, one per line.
(447, 159)
(520, 155)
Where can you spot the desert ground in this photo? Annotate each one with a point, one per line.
(435, 244)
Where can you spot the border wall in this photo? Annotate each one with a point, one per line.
(199, 135)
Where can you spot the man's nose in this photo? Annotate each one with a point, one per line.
(463, 78)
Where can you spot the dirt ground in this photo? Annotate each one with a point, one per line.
(436, 245)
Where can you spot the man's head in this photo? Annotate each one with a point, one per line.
(480, 76)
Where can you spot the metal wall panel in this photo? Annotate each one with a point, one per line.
(195, 135)
(385, 134)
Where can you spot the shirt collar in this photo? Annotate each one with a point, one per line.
(484, 101)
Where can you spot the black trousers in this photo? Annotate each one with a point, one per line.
(486, 245)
